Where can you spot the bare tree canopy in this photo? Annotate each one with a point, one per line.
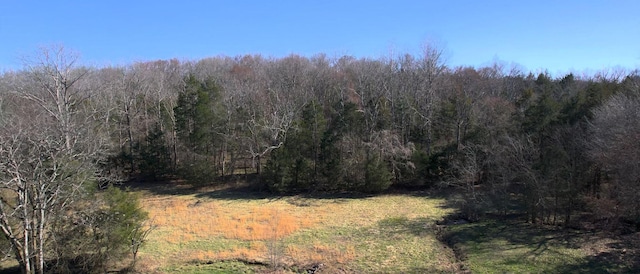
(505, 140)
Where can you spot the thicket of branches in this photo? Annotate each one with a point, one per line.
(507, 139)
(54, 141)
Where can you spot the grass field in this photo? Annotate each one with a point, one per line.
(239, 231)
(234, 232)
(512, 246)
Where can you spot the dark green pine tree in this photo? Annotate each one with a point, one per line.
(296, 167)
(195, 114)
(346, 120)
(197, 126)
(311, 130)
(155, 162)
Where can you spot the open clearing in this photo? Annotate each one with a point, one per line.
(239, 231)
(235, 231)
(206, 231)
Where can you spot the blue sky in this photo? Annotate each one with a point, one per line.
(560, 36)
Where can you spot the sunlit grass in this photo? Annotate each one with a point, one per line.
(344, 234)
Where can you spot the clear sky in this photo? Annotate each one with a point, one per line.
(560, 36)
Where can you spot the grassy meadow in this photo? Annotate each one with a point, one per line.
(512, 246)
(233, 232)
(236, 231)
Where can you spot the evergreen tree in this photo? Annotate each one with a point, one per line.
(197, 115)
(155, 160)
(297, 165)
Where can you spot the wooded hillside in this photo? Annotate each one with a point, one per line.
(509, 140)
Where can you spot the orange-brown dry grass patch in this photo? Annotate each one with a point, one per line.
(286, 231)
(191, 219)
(191, 229)
(261, 224)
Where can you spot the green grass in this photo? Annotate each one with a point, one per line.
(403, 245)
(220, 267)
(392, 245)
(231, 232)
(370, 234)
(381, 234)
(515, 247)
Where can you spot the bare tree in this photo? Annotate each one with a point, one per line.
(54, 71)
(40, 179)
(616, 147)
(46, 154)
(422, 93)
(272, 106)
(514, 159)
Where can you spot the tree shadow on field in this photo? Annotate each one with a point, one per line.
(508, 232)
(518, 232)
(234, 187)
(621, 255)
(10, 270)
(161, 187)
(605, 253)
(238, 187)
(404, 225)
(237, 184)
(247, 192)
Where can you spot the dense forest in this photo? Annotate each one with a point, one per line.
(551, 148)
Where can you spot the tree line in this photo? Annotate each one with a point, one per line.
(507, 140)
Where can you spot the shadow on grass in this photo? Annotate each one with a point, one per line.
(515, 231)
(241, 183)
(622, 255)
(598, 264)
(247, 192)
(10, 270)
(247, 187)
(236, 187)
(244, 187)
(616, 256)
(404, 225)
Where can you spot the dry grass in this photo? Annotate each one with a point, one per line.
(290, 232)
(191, 219)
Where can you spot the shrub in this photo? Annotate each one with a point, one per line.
(92, 240)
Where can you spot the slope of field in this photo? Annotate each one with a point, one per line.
(234, 232)
(513, 246)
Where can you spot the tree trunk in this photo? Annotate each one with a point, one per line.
(129, 135)
(175, 148)
(258, 164)
(40, 232)
(26, 245)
